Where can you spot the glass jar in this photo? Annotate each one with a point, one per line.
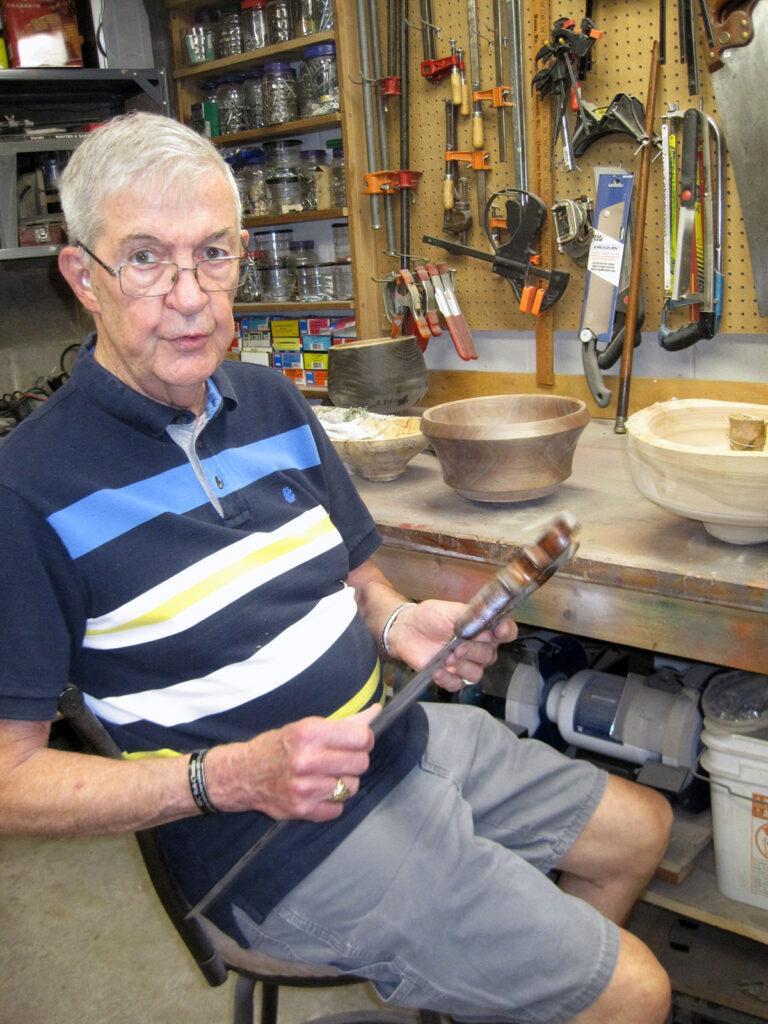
(281, 101)
(279, 284)
(324, 15)
(283, 153)
(302, 254)
(252, 288)
(318, 81)
(314, 283)
(279, 21)
(238, 169)
(285, 191)
(338, 173)
(340, 234)
(231, 103)
(274, 245)
(229, 34)
(253, 19)
(253, 97)
(311, 170)
(210, 110)
(304, 17)
(342, 280)
(255, 174)
(200, 43)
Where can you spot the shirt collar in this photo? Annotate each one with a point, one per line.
(129, 406)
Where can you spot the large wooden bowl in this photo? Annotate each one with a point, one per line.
(388, 445)
(506, 447)
(680, 458)
(381, 374)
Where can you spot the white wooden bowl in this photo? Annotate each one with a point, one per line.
(680, 458)
(506, 448)
(386, 445)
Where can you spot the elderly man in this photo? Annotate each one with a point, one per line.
(183, 544)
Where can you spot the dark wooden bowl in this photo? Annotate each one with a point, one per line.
(380, 374)
(506, 447)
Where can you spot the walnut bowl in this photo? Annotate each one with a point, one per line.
(377, 447)
(506, 448)
(680, 457)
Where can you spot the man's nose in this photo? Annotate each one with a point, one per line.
(186, 293)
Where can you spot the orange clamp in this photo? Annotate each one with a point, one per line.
(498, 95)
(476, 158)
(531, 299)
(379, 183)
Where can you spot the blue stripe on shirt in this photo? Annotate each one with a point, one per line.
(107, 514)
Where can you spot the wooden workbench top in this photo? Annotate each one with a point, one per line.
(627, 542)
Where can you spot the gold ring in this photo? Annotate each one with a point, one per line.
(340, 792)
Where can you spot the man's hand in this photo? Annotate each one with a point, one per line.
(420, 631)
(292, 772)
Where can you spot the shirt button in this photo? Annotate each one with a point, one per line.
(219, 482)
(179, 418)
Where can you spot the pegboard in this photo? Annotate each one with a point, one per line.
(621, 62)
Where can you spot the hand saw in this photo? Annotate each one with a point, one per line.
(686, 224)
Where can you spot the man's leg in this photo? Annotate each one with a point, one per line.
(616, 855)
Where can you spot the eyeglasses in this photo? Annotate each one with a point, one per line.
(144, 281)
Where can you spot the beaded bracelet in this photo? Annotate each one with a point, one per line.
(197, 782)
(390, 623)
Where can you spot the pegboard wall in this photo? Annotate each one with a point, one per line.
(621, 62)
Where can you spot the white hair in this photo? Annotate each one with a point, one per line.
(149, 148)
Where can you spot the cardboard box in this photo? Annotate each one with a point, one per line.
(315, 325)
(316, 378)
(286, 344)
(316, 342)
(287, 361)
(297, 376)
(284, 328)
(258, 356)
(254, 331)
(315, 360)
(42, 33)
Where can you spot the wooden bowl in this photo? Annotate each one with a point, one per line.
(680, 458)
(380, 374)
(506, 447)
(389, 445)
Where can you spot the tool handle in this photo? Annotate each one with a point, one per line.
(731, 22)
(478, 138)
(455, 86)
(466, 106)
(689, 158)
(448, 194)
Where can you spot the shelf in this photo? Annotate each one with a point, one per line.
(80, 82)
(293, 307)
(301, 127)
(294, 48)
(26, 252)
(336, 213)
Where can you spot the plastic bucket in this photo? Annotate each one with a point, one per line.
(738, 769)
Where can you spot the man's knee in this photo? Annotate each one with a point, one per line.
(655, 823)
(638, 993)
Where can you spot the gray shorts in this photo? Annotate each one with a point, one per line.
(441, 896)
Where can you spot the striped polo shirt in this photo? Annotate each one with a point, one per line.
(189, 577)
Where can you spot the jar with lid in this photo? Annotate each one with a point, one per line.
(314, 283)
(281, 101)
(279, 284)
(279, 21)
(340, 234)
(283, 153)
(253, 19)
(255, 175)
(318, 81)
(324, 15)
(313, 169)
(231, 104)
(253, 97)
(305, 17)
(200, 43)
(274, 245)
(285, 192)
(338, 173)
(229, 33)
(251, 289)
(241, 178)
(342, 280)
(302, 253)
(210, 110)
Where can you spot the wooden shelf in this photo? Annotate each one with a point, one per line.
(335, 213)
(301, 127)
(294, 48)
(293, 307)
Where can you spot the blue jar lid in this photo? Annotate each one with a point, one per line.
(320, 50)
(278, 65)
(254, 156)
(318, 155)
(256, 72)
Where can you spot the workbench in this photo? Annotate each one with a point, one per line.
(642, 576)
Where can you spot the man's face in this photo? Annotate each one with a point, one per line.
(165, 346)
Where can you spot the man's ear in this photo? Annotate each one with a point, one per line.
(78, 276)
(244, 235)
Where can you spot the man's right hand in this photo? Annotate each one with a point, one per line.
(292, 772)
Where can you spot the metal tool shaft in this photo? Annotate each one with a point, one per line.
(516, 80)
(381, 121)
(530, 567)
(477, 107)
(368, 114)
(499, 39)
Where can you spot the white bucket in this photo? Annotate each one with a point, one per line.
(738, 769)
